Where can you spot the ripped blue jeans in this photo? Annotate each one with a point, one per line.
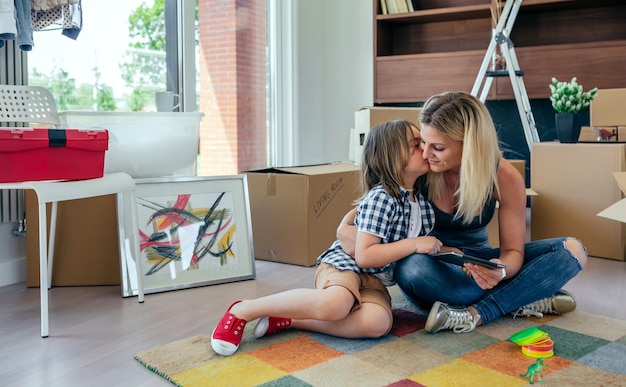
(547, 267)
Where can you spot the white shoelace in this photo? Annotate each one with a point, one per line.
(536, 309)
(461, 321)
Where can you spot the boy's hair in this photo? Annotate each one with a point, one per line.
(386, 153)
(462, 117)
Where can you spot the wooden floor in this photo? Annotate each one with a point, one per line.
(94, 332)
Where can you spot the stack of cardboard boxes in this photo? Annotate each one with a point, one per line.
(608, 112)
(575, 182)
(607, 117)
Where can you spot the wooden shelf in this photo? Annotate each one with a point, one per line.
(599, 64)
(442, 45)
(550, 5)
(411, 78)
(438, 14)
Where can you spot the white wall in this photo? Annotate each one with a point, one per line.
(12, 256)
(333, 62)
(332, 45)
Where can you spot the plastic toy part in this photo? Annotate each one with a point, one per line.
(535, 370)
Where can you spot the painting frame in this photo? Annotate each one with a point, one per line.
(190, 229)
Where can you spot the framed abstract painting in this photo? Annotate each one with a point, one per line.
(193, 231)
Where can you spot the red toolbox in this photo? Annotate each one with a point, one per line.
(28, 154)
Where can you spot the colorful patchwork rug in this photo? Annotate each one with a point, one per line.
(589, 350)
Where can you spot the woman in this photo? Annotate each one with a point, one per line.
(350, 298)
(468, 176)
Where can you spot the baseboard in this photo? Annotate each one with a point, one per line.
(12, 271)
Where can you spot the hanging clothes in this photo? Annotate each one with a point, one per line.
(76, 12)
(19, 18)
(24, 25)
(56, 17)
(58, 14)
(47, 5)
(15, 23)
(8, 24)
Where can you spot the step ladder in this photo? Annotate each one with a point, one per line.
(485, 78)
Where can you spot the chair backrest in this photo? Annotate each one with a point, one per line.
(28, 104)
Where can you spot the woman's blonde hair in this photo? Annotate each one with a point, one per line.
(462, 117)
(386, 153)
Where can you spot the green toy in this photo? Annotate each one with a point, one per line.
(535, 370)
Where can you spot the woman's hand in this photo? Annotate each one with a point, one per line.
(485, 278)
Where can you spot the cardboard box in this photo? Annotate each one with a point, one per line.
(586, 134)
(574, 183)
(520, 165)
(367, 117)
(86, 250)
(617, 211)
(51, 154)
(608, 108)
(295, 211)
(599, 134)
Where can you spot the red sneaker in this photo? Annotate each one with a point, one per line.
(227, 334)
(269, 325)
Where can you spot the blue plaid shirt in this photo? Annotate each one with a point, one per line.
(386, 217)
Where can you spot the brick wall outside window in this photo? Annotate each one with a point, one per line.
(233, 86)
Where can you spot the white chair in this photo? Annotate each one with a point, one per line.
(36, 104)
(28, 104)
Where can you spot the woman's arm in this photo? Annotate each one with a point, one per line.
(511, 216)
(346, 233)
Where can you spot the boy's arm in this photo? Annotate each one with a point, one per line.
(371, 253)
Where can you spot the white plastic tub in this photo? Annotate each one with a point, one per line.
(142, 144)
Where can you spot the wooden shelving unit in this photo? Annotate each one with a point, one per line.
(441, 45)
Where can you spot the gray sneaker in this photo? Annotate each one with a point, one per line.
(442, 316)
(558, 303)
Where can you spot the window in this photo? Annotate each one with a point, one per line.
(100, 70)
(117, 63)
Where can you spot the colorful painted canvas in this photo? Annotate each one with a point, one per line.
(192, 232)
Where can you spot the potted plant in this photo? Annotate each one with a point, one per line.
(568, 99)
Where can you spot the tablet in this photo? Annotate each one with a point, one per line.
(461, 259)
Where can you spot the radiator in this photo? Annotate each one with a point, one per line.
(13, 71)
(11, 205)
